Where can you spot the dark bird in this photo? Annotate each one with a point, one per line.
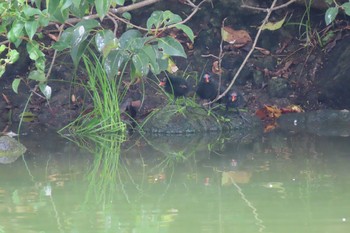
(234, 99)
(207, 89)
(175, 85)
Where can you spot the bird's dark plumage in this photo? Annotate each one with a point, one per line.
(175, 85)
(207, 88)
(234, 99)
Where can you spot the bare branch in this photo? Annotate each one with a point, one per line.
(269, 11)
(134, 6)
(194, 11)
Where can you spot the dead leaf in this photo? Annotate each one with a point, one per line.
(291, 109)
(215, 68)
(268, 112)
(270, 127)
(273, 26)
(238, 38)
(172, 67)
(263, 51)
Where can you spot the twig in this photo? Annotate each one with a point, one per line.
(194, 11)
(249, 53)
(135, 6)
(55, 53)
(267, 9)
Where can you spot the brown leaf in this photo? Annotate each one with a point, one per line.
(268, 112)
(215, 68)
(263, 51)
(291, 109)
(238, 38)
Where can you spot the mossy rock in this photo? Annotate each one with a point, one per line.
(174, 119)
(10, 149)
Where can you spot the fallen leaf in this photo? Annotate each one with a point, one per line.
(268, 111)
(263, 51)
(273, 26)
(270, 127)
(215, 68)
(291, 109)
(238, 38)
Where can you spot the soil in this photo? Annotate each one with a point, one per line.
(282, 74)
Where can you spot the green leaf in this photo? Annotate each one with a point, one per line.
(171, 47)
(115, 61)
(34, 51)
(2, 48)
(150, 52)
(330, 15)
(106, 41)
(346, 7)
(44, 19)
(65, 40)
(66, 5)
(274, 26)
(128, 38)
(16, 31)
(187, 30)
(155, 20)
(30, 11)
(77, 51)
(54, 9)
(76, 3)
(126, 15)
(140, 62)
(12, 56)
(79, 36)
(102, 7)
(2, 69)
(46, 90)
(170, 18)
(31, 28)
(15, 84)
(40, 63)
(88, 24)
(37, 75)
(119, 2)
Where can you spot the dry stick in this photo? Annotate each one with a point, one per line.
(131, 7)
(265, 9)
(269, 11)
(118, 10)
(55, 53)
(194, 11)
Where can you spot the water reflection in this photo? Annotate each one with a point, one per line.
(273, 183)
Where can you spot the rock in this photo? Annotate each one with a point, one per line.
(10, 149)
(322, 122)
(333, 78)
(174, 119)
(278, 87)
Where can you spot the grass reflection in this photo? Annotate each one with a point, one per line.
(103, 174)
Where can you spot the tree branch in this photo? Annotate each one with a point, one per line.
(134, 6)
(269, 11)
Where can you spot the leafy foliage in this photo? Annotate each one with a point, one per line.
(333, 11)
(23, 22)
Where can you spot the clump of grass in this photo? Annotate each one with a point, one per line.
(105, 117)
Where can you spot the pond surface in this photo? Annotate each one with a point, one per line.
(272, 183)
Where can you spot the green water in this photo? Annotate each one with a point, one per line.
(272, 183)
